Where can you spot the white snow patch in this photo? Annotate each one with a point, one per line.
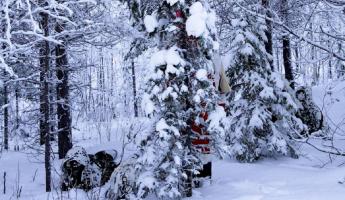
(172, 57)
(197, 99)
(168, 92)
(147, 104)
(201, 75)
(155, 90)
(277, 78)
(172, 2)
(267, 93)
(158, 58)
(184, 88)
(161, 125)
(166, 57)
(196, 23)
(151, 23)
(195, 26)
(171, 69)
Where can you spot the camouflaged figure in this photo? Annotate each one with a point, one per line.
(310, 113)
(75, 163)
(87, 171)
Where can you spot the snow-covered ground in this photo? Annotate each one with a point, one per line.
(271, 180)
(312, 177)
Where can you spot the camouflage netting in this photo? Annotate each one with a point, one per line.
(86, 171)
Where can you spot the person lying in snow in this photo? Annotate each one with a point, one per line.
(87, 171)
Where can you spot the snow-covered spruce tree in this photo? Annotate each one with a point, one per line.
(263, 107)
(179, 91)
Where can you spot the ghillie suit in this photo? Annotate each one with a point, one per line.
(86, 171)
(310, 113)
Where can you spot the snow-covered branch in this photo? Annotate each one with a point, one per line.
(294, 33)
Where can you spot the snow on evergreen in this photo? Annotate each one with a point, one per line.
(150, 23)
(200, 20)
(73, 75)
(182, 70)
(263, 106)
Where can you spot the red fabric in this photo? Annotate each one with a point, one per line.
(179, 14)
(202, 143)
(197, 128)
(204, 116)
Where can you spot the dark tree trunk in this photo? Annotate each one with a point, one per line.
(269, 31)
(63, 105)
(101, 87)
(17, 108)
(5, 103)
(340, 68)
(287, 60)
(286, 45)
(42, 77)
(134, 90)
(44, 97)
(5, 116)
(330, 71)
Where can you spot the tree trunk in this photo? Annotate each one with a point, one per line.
(112, 72)
(101, 89)
(313, 56)
(5, 103)
(42, 77)
(268, 32)
(340, 68)
(63, 105)
(17, 108)
(44, 97)
(287, 60)
(330, 70)
(5, 116)
(286, 45)
(134, 90)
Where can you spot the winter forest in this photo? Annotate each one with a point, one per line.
(172, 99)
